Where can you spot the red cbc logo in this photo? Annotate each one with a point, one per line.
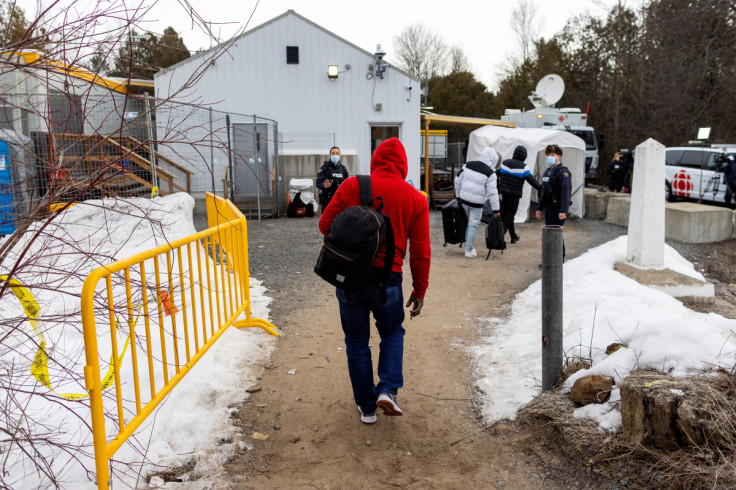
(561, 118)
(682, 185)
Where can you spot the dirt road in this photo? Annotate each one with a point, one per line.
(315, 437)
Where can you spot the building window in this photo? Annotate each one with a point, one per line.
(292, 55)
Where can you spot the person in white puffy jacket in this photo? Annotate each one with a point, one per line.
(475, 183)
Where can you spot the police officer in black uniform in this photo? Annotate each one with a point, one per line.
(330, 176)
(554, 198)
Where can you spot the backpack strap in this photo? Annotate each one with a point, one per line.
(366, 194)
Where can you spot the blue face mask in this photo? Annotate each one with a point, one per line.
(551, 160)
(335, 159)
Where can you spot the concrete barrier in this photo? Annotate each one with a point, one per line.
(596, 202)
(617, 211)
(698, 223)
(686, 222)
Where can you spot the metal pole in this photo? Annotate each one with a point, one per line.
(276, 166)
(230, 160)
(212, 160)
(151, 150)
(258, 179)
(426, 157)
(551, 305)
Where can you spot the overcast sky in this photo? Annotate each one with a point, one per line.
(480, 27)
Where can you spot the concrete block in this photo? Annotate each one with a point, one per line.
(698, 223)
(680, 286)
(596, 202)
(617, 211)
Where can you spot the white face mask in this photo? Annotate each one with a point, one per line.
(551, 160)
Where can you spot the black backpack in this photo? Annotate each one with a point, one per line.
(495, 235)
(346, 259)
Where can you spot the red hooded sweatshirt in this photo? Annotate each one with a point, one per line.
(403, 204)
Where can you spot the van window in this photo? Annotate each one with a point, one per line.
(672, 157)
(695, 158)
(711, 163)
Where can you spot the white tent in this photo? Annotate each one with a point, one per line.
(504, 140)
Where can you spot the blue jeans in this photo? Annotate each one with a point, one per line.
(355, 310)
(474, 215)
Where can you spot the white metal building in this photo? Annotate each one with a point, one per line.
(279, 70)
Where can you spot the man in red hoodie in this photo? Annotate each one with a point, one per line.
(409, 214)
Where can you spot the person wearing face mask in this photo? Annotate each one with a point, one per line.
(330, 176)
(554, 198)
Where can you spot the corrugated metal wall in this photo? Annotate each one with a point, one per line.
(254, 78)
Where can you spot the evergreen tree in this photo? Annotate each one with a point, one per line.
(143, 55)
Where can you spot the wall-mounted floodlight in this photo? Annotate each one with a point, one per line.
(332, 71)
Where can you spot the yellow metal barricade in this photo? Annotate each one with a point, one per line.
(158, 302)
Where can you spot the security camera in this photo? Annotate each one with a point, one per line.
(379, 53)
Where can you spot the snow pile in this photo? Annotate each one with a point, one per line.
(194, 419)
(601, 307)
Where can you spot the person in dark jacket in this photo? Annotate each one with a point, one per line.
(554, 200)
(512, 174)
(330, 176)
(729, 175)
(617, 171)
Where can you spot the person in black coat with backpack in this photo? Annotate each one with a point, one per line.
(512, 174)
(330, 176)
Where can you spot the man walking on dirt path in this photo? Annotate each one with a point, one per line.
(409, 215)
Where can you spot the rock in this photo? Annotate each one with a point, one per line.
(156, 482)
(276, 427)
(259, 436)
(368, 442)
(591, 389)
(253, 389)
(295, 439)
(613, 348)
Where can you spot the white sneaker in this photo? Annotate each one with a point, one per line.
(367, 418)
(472, 253)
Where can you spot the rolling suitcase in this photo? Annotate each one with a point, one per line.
(454, 222)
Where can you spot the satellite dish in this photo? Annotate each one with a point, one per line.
(550, 89)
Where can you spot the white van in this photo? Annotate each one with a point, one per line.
(696, 172)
